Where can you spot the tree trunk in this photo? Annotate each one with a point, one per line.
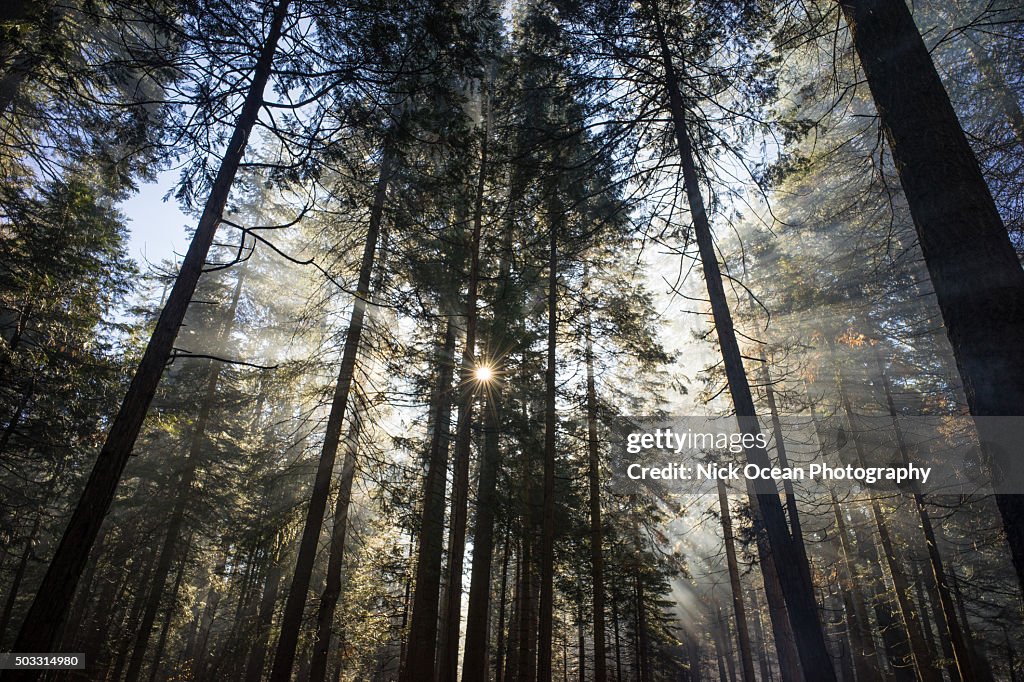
(739, 611)
(336, 555)
(452, 618)
(19, 575)
(71, 636)
(96, 646)
(423, 628)
(894, 639)
(1011, 658)
(866, 661)
(979, 661)
(475, 657)
(161, 641)
(762, 658)
(258, 654)
(720, 653)
(527, 659)
(547, 549)
(49, 608)
(865, 654)
(923, 660)
(499, 663)
(800, 604)
(596, 529)
(694, 656)
(782, 629)
(617, 639)
(847, 633)
(511, 667)
(974, 269)
(949, 624)
(780, 448)
(474, 665)
(581, 640)
(132, 623)
(205, 622)
(944, 648)
(643, 648)
(241, 633)
(291, 621)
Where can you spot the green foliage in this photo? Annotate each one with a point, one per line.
(63, 277)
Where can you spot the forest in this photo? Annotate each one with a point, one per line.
(442, 257)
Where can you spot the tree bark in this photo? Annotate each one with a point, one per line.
(720, 651)
(284, 656)
(780, 448)
(96, 646)
(167, 555)
(739, 610)
(974, 269)
(782, 629)
(49, 608)
(547, 550)
(258, 654)
(336, 555)
(596, 529)
(846, 632)
(979, 661)
(499, 663)
(474, 666)
(423, 628)
(511, 667)
(894, 640)
(205, 622)
(71, 632)
(581, 640)
(643, 647)
(132, 623)
(527, 656)
(617, 639)
(475, 656)
(762, 658)
(448, 665)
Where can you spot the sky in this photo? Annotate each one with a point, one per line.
(157, 226)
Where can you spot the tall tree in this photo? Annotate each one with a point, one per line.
(49, 609)
(800, 603)
(287, 642)
(961, 234)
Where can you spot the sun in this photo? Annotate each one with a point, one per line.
(483, 373)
